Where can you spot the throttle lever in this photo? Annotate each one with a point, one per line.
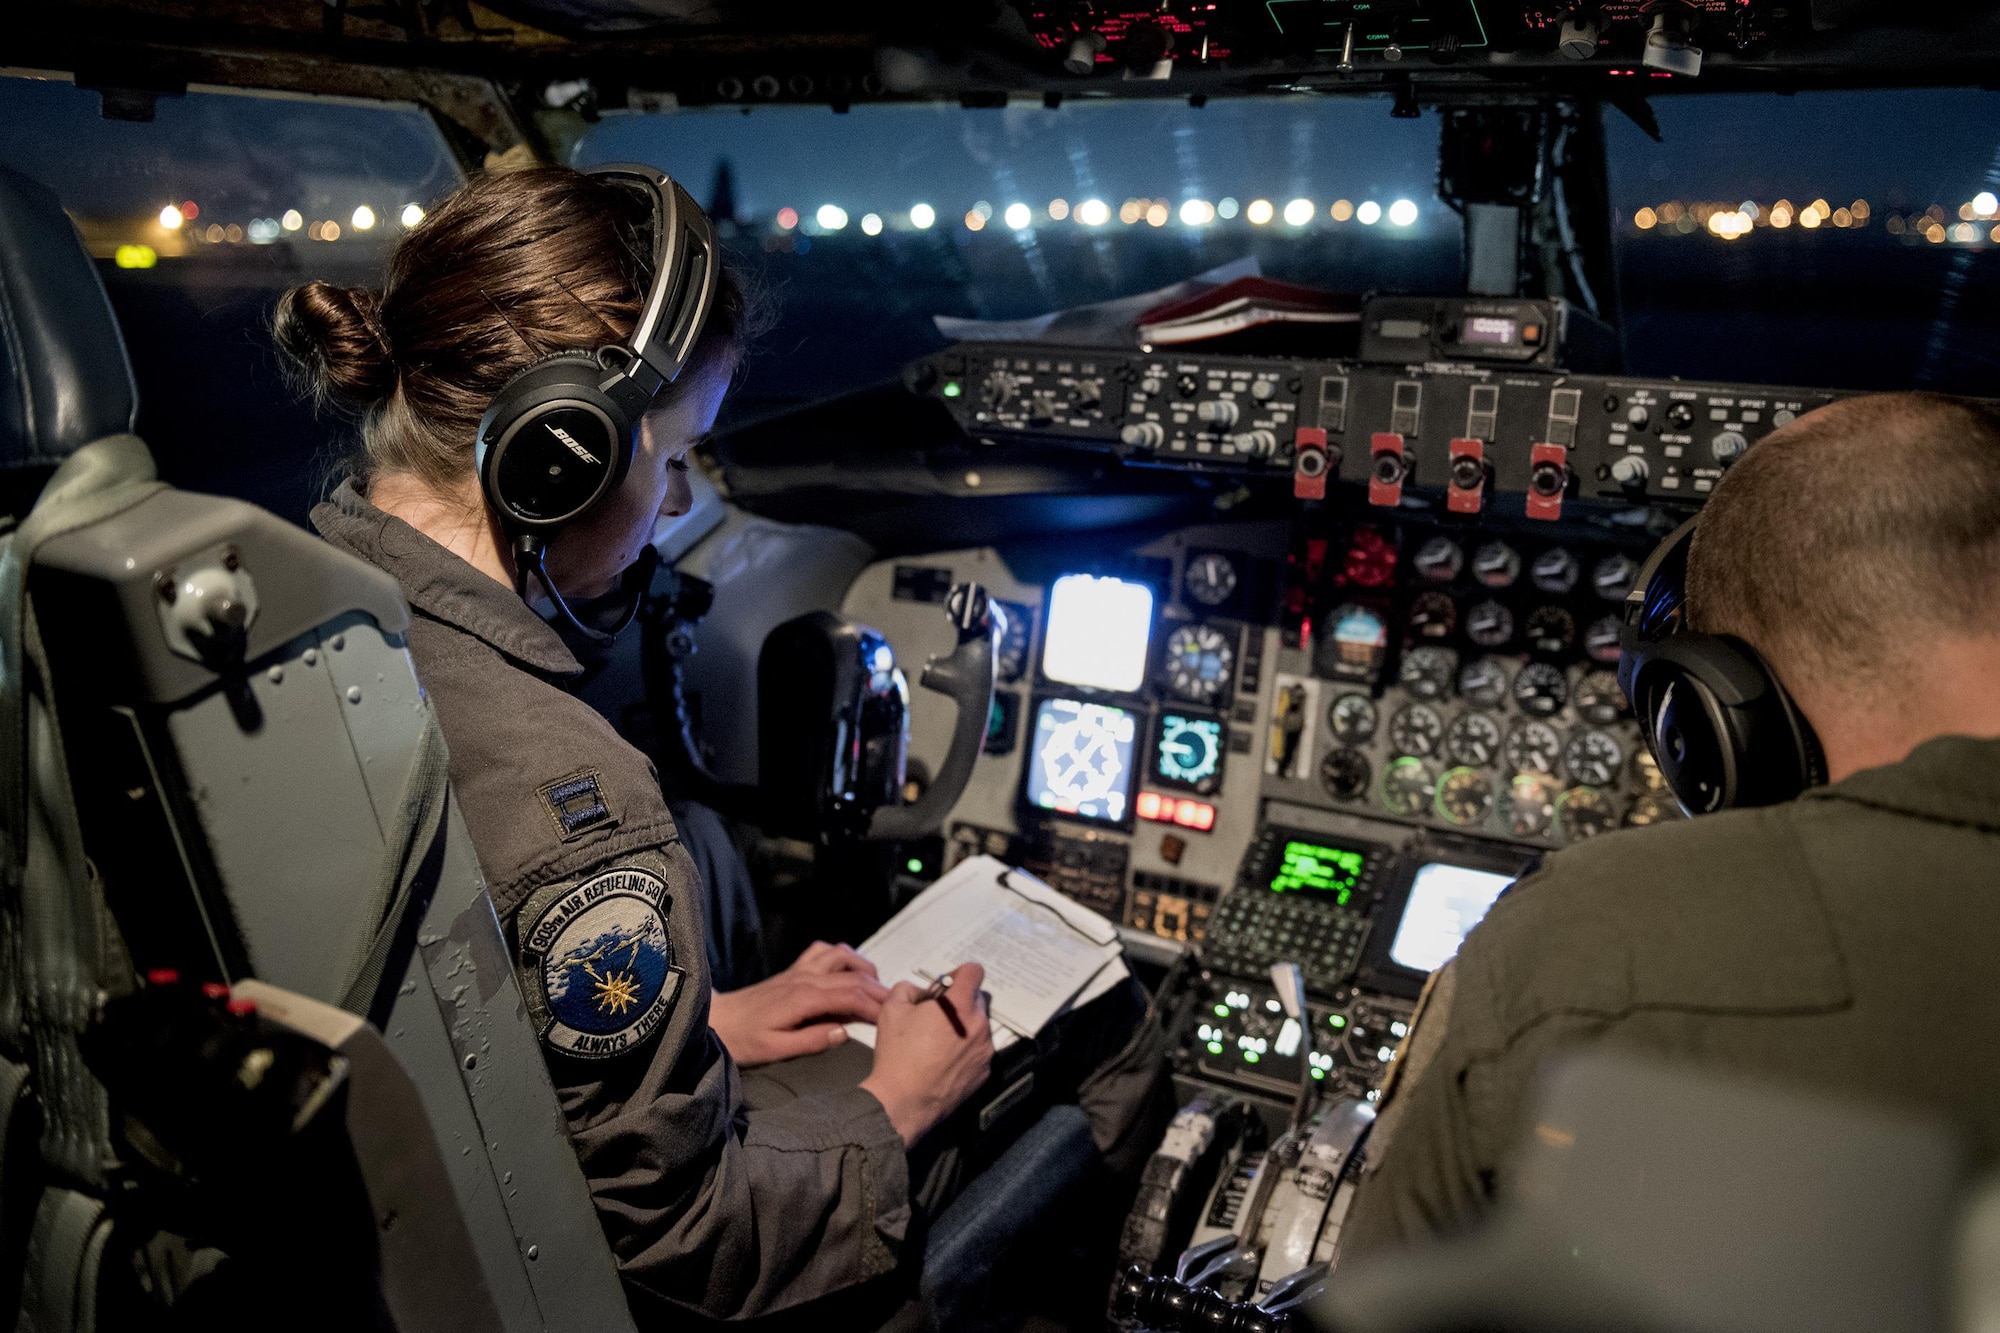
(1197, 1256)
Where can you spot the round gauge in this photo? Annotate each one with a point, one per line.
(1427, 672)
(1474, 739)
(1407, 786)
(1432, 615)
(1613, 577)
(1584, 812)
(1533, 747)
(1550, 630)
(1482, 682)
(1599, 699)
(1651, 810)
(1489, 624)
(1351, 643)
(1189, 753)
(1417, 729)
(1352, 717)
(1541, 690)
(1646, 773)
(1344, 773)
(1593, 758)
(1555, 570)
(1601, 639)
(1199, 659)
(1012, 661)
(1529, 805)
(1496, 565)
(1439, 560)
(1210, 579)
(1464, 797)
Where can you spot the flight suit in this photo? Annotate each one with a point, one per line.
(1841, 943)
(705, 1204)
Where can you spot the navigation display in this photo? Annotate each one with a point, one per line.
(1082, 759)
(1446, 901)
(1098, 633)
(1187, 752)
(1319, 870)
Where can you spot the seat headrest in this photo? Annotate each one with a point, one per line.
(64, 378)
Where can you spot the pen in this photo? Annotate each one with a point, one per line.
(937, 989)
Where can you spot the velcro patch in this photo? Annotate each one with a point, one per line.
(577, 805)
(597, 965)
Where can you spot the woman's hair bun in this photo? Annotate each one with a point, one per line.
(332, 336)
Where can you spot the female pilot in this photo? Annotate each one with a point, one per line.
(730, 1208)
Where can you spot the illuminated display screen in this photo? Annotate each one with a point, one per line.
(1187, 751)
(1082, 759)
(1309, 867)
(1491, 330)
(1098, 633)
(1446, 901)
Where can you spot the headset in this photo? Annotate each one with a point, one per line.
(559, 436)
(1718, 721)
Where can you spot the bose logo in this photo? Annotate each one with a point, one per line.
(569, 442)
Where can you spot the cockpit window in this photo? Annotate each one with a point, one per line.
(1839, 238)
(199, 217)
(870, 222)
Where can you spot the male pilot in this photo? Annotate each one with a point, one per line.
(1842, 941)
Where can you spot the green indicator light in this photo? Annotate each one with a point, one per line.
(1250, 1057)
(916, 866)
(1319, 1073)
(1336, 1021)
(1222, 1011)
(1215, 1048)
(952, 389)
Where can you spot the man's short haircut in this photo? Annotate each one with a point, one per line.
(1840, 542)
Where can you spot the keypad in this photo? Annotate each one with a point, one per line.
(1253, 928)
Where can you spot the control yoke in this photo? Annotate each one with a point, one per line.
(966, 678)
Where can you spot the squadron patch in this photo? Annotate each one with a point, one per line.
(596, 963)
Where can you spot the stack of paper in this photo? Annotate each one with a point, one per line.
(1043, 954)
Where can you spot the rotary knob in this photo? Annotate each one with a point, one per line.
(1143, 435)
(1216, 412)
(1262, 389)
(1257, 443)
(1680, 416)
(1728, 446)
(1638, 416)
(1630, 471)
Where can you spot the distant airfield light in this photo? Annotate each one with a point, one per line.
(1645, 219)
(1298, 212)
(1859, 208)
(364, 218)
(214, 232)
(922, 216)
(1809, 217)
(1197, 213)
(1058, 209)
(171, 218)
(788, 218)
(1018, 216)
(1402, 213)
(1259, 212)
(1226, 208)
(1131, 211)
(1842, 218)
(189, 211)
(330, 231)
(871, 224)
(412, 214)
(974, 220)
(984, 209)
(262, 231)
(135, 256)
(1965, 233)
(831, 216)
(1986, 203)
(1993, 235)
(1782, 215)
(1341, 210)
(1368, 213)
(1157, 214)
(1093, 212)
(232, 233)
(293, 219)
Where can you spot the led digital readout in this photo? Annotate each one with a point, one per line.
(1492, 330)
(1308, 867)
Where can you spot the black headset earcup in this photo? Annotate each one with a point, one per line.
(1720, 725)
(553, 444)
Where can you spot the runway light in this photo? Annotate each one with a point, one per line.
(1157, 214)
(1299, 212)
(293, 219)
(1986, 203)
(364, 218)
(1093, 212)
(330, 232)
(1197, 213)
(831, 216)
(1058, 209)
(922, 216)
(171, 218)
(871, 224)
(262, 231)
(412, 214)
(134, 256)
(1259, 212)
(1964, 233)
(1645, 218)
(1859, 208)
(1809, 218)
(1226, 208)
(232, 233)
(189, 211)
(1402, 213)
(214, 232)
(1781, 214)
(974, 220)
(1018, 216)
(788, 218)
(984, 209)
(1368, 213)
(1341, 210)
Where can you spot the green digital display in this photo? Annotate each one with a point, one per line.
(1308, 867)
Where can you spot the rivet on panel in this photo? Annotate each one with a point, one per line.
(354, 694)
(472, 1062)
(310, 656)
(337, 642)
(275, 675)
(534, 1252)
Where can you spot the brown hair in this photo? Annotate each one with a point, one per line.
(513, 266)
(1840, 539)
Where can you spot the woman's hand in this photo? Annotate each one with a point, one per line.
(802, 1010)
(931, 1055)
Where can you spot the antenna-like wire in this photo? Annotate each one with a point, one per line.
(616, 337)
(532, 349)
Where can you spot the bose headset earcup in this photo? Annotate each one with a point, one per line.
(1715, 716)
(553, 443)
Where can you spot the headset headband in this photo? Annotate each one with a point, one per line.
(687, 267)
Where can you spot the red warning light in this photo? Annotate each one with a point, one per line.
(1149, 804)
(1196, 815)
